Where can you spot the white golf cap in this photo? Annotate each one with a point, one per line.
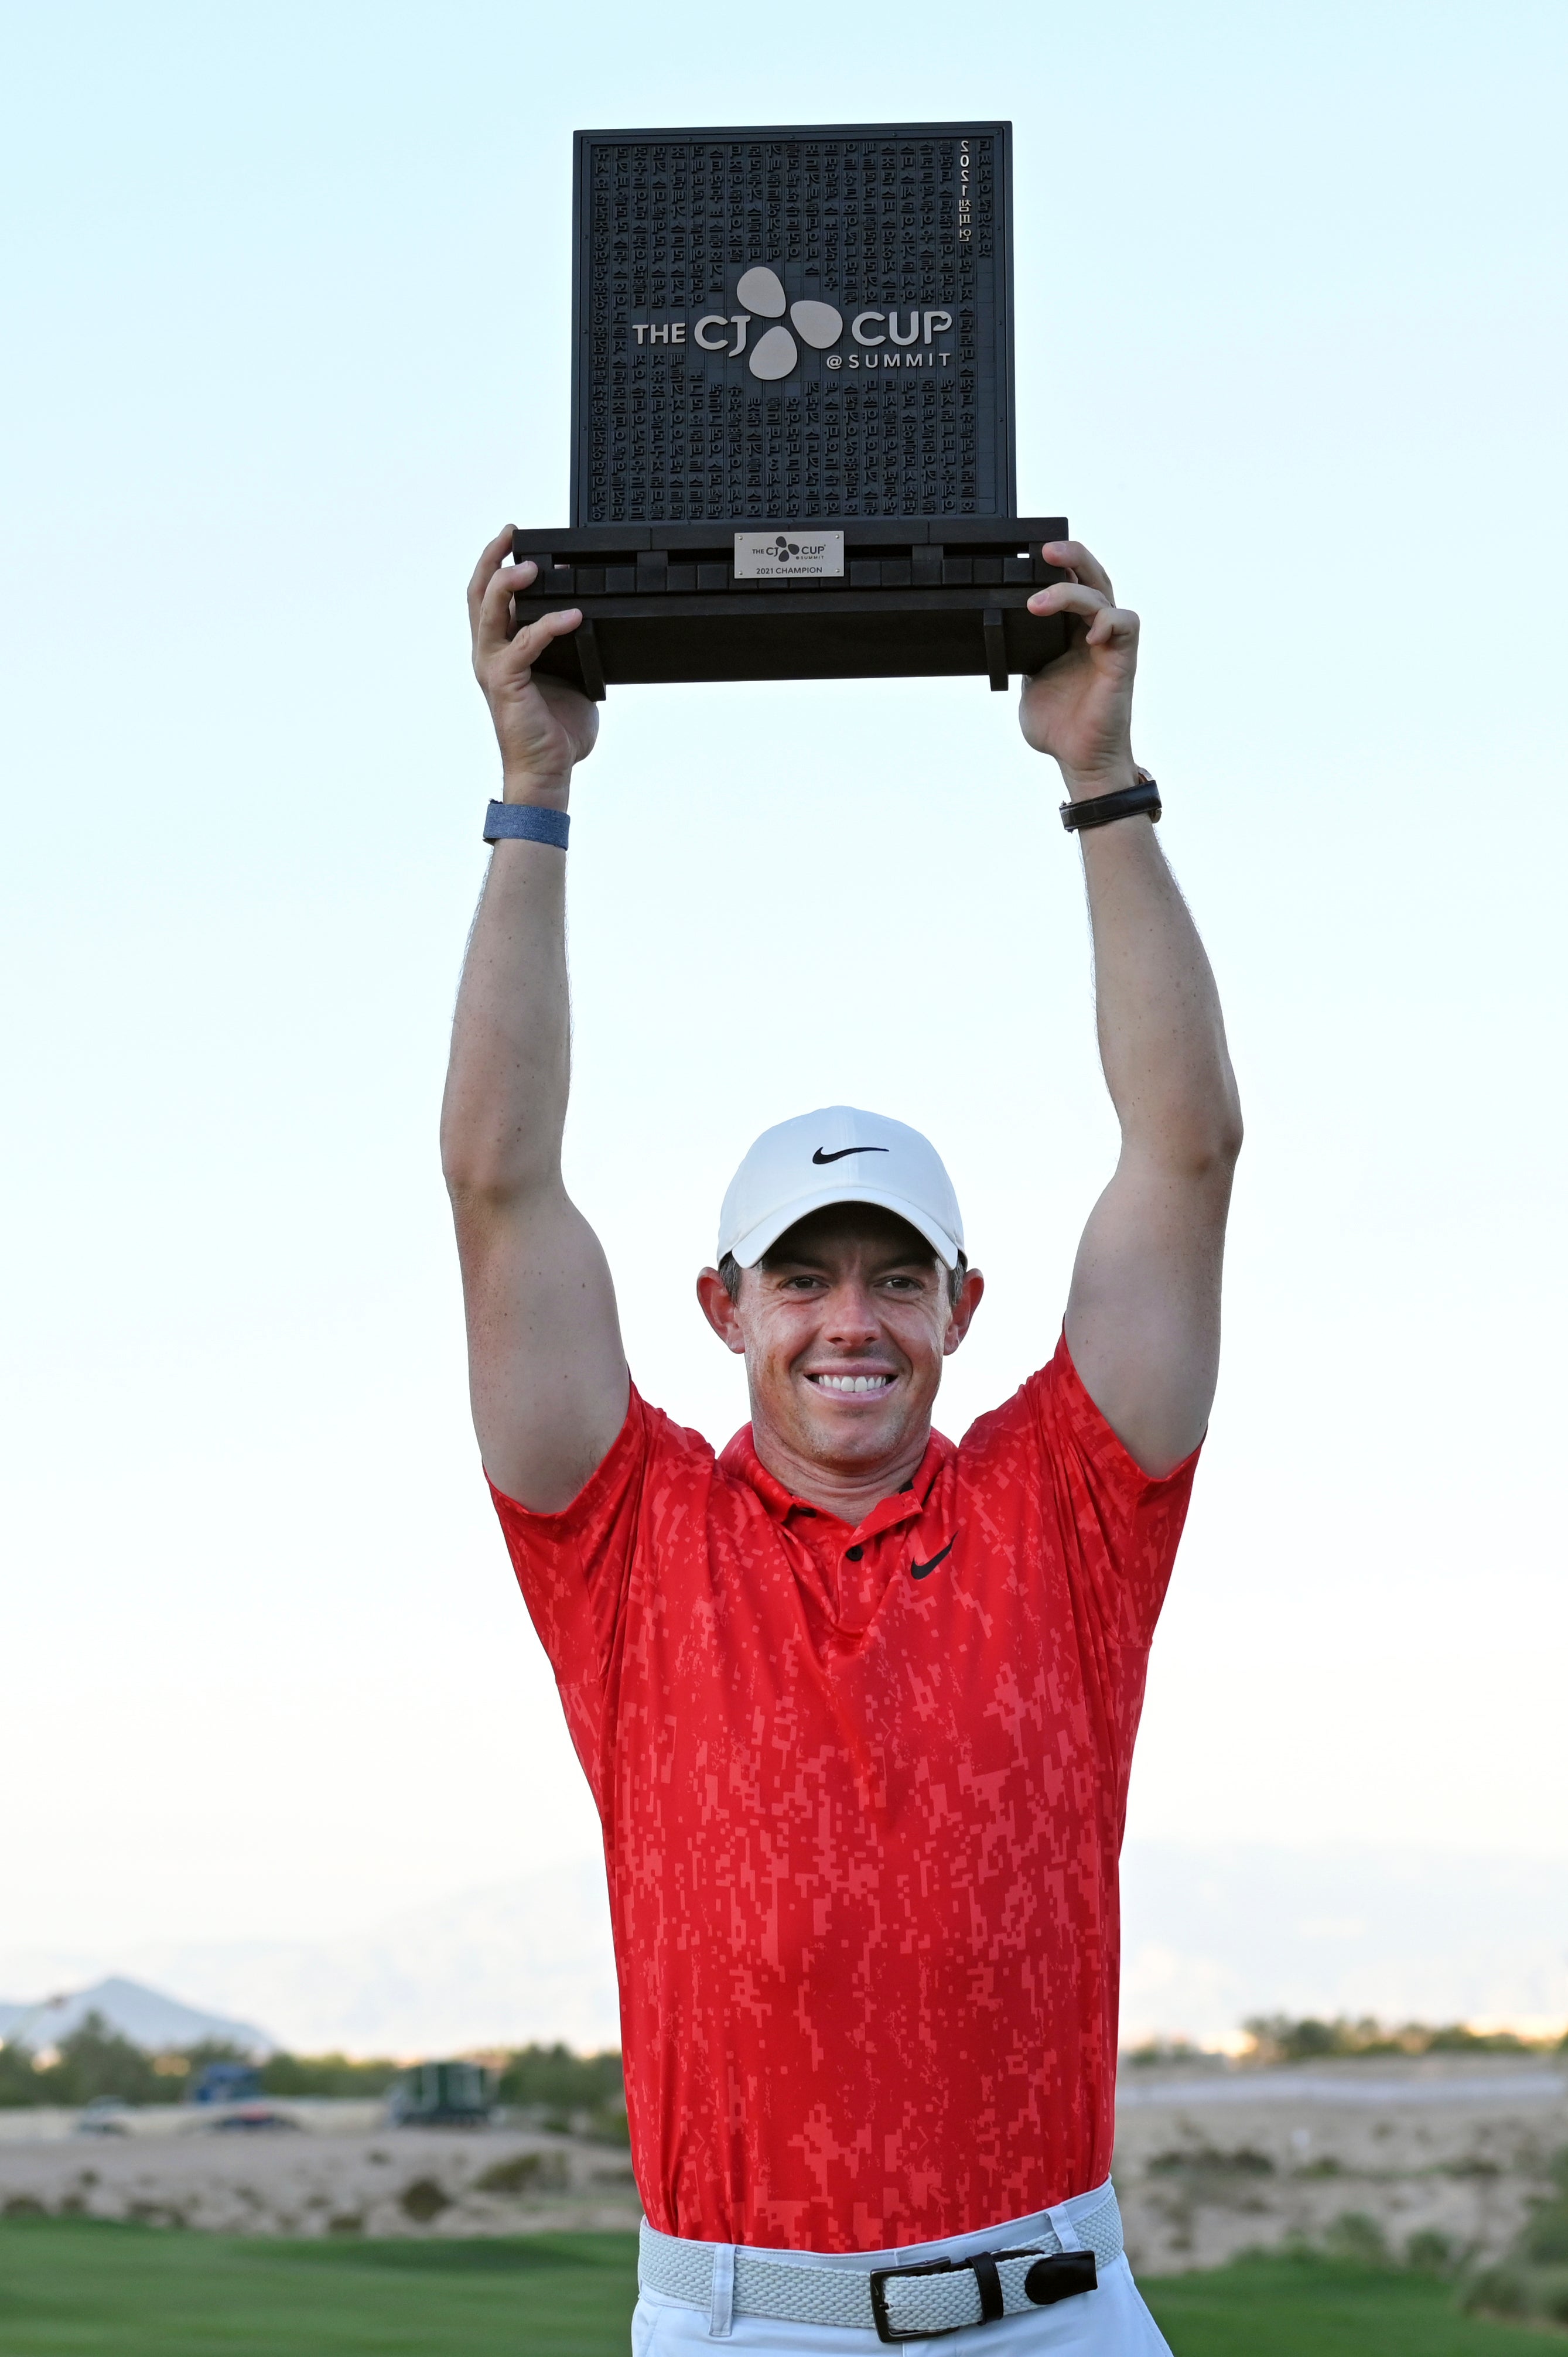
(838, 1156)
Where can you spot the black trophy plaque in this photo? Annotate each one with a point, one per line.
(792, 411)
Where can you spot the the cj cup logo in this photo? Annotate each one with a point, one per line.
(774, 353)
(759, 294)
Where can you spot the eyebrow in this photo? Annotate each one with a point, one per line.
(797, 1260)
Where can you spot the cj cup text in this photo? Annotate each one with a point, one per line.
(867, 328)
(886, 338)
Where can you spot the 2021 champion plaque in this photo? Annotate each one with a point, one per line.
(793, 410)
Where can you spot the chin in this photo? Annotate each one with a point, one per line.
(833, 1434)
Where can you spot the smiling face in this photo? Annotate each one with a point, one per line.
(844, 1325)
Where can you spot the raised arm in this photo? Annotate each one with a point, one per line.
(546, 1371)
(1143, 1318)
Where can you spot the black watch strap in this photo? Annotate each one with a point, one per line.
(1142, 801)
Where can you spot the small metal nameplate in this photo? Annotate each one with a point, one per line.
(788, 555)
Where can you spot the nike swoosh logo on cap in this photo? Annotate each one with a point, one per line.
(820, 1156)
(924, 1570)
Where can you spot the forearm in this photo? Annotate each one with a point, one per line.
(1162, 1035)
(505, 1105)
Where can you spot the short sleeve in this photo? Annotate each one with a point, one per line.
(1112, 1528)
(1118, 1525)
(576, 1567)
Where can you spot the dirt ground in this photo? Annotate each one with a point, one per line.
(323, 2177)
(1207, 2164)
(1210, 2165)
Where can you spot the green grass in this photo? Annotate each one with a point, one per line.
(70, 2289)
(1322, 2308)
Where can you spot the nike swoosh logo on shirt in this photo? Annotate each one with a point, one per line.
(839, 1156)
(924, 1570)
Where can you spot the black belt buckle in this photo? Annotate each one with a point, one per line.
(1070, 2272)
(881, 2275)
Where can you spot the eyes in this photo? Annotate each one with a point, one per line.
(896, 1282)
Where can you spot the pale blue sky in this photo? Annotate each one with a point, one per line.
(286, 315)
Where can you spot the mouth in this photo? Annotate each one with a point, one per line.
(855, 1386)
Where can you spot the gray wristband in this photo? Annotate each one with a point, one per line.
(527, 821)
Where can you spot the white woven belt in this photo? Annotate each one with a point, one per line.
(899, 2303)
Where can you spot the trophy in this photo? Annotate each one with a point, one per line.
(792, 412)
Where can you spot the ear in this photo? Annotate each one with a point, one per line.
(968, 1302)
(720, 1310)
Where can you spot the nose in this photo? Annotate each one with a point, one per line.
(851, 1315)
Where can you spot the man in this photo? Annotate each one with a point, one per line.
(857, 1707)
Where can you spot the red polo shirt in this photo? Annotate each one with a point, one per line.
(863, 1795)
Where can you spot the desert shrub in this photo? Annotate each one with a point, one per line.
(1497, 2291)
(423, 2199)
(526, 2172)
(1543, 2242)
(1209, 2159)
(1533, 2280)
(1354, 2235)
(1429, 2252)
(1518, 2292)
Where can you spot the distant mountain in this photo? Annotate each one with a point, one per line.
(146, 2015)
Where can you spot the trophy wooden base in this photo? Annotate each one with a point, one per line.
(917, 599)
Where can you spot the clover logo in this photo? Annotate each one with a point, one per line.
(776, 352)
(783, 548)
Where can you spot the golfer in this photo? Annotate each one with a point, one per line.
(857, 1703)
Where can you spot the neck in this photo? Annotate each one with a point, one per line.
(846, 1492)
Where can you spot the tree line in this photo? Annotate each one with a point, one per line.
(1285, 2038)
(96, 2064)
(1277, 2038)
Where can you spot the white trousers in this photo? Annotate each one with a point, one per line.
(1111, 2321)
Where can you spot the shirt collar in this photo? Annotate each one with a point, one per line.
(739, 1457)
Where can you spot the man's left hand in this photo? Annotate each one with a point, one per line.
(1080, 708)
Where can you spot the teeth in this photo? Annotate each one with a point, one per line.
(854, 1382)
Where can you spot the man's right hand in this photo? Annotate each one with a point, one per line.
(546, 1367)
(544, 727)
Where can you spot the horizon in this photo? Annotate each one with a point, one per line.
(1362, 2039)
(1214, 1935)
